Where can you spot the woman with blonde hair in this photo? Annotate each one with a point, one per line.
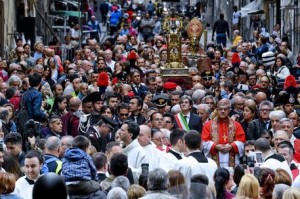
(248, 187)
(135, 191)
(291, 193)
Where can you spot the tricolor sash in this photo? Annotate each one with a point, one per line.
(181, 121)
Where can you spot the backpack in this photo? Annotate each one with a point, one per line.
(45, 168)
(22, 115)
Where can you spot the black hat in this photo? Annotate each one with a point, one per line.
(233, 69)
(206, 75)
(109, 122)
(160, 101)
(286, 98)
(93, 97)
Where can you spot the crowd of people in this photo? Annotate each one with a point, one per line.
(100, 120)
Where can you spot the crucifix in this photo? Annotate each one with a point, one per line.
(224, 137)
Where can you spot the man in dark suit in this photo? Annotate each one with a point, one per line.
(100, 161)
(137, 88)
(135, 107)
(186, 119)
(257, 126)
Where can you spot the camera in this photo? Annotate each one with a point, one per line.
(255, 159)
(145, 168)
(32, 128)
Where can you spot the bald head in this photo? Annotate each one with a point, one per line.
(75, 101)
(260, 72)
(144, 136)
(260, 96)
(145, 129)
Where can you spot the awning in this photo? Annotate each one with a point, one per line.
(254, 6)
(256, 12)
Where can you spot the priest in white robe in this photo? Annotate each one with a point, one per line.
(135, 153)
(196, 162)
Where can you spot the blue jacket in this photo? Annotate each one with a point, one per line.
(95, 26)
(114, 18)
(33, 103)
(9, 196)
(78, 166)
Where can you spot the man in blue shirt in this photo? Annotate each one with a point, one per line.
(95, 28)
(33, 99)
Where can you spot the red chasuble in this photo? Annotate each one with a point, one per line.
(223, 132)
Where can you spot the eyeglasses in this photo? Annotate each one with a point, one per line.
(265, 110)
(168, 122)
(124, 114)
(158, 139)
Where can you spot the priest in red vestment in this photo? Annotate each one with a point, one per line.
(223, 138)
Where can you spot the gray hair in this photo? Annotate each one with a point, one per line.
(53, 143)
(166, 133)
(122, 182)
(14, 78)
(68, 140)
(278, 190)
(280, 131)
(175, 109)
(198, 95)
(158, 180)
(236, 97)
(266, 103)
(209, 97)
(205, 107)
(277, 113)
(286, 120)
(117, 193)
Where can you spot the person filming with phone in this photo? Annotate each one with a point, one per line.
(270, 159)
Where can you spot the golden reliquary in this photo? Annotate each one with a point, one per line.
(173, 25)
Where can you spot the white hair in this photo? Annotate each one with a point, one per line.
(117, 193)
(175, 109)
(277, 113)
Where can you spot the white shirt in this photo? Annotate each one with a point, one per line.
(190, 166)
(235, 17)
(111, 65)
(75, 33)
(136, 157)
(274, 164)
(23, 188)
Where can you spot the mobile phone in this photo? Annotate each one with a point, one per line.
(145, 168)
